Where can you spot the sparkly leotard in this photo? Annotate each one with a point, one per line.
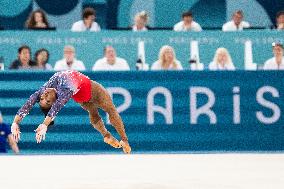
(68, 84)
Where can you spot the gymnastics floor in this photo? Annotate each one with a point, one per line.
(143, 171)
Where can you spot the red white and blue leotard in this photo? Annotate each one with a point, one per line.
(68, 84)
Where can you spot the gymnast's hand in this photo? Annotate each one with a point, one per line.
(40, 132)
(15, 130)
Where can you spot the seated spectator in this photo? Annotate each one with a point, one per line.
(187, 23)
(140, 21)
(37, 20)
(222, 60)
(41, 59)
(6, 135)
(280, 20)
(88, 23)
(110, 62)
(24, 59)
(167, 60)
(69, 62)
(2, 66)
(237, 23)
(277, 62)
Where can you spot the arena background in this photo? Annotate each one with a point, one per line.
(234, 141)
(119, 13)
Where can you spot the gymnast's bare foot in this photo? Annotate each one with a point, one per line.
(109, 139)
(125, 146)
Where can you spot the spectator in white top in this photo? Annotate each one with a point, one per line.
(110, 62)
(140, 21)
(69, 62)
(167, 60)
(237, 23)
(280, 20)
(88, 23)
(222, 60)
(277, 62)
(187, 23)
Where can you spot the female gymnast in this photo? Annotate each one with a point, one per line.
(60, 88)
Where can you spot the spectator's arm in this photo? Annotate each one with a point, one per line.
(199, 28)
(126, 65)
(99, 28)
(179, 66)
(81, 66)
(224, 27)
(13, 144)
(97, 66)
(59, 66)
(74, 27)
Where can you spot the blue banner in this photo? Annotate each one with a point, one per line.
(162, 111)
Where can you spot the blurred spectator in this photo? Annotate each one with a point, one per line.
(88, 23)
(222, 60)
(187, 23)
(41, 59)
(280, 20)
(167, 60)
(140, 21)
(236, 23)
(2, 66)
(37, 20)
(6, 135)
(110, 62)
(69, 62)
(277, 62)
(24, 59)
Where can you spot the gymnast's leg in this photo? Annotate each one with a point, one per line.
(98, 124)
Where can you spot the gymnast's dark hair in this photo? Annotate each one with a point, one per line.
(45, 112)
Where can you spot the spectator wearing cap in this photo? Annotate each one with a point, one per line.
(6, 136)
(187, 23)
(24, 59)
(280, 20)
(237, 23)
(87, 23)
(69, 62)
(277, 62)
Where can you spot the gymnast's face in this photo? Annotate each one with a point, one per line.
(47, 98)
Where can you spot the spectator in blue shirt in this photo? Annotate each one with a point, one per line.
(6, 135)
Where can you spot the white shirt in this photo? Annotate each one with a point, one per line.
(216, 66)
(231, 26)
(134, 28)
(61, 65)
(194, 27)
(48, 67)
(119, 65)
(271, 64)
(80, 26)
(158, 66)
